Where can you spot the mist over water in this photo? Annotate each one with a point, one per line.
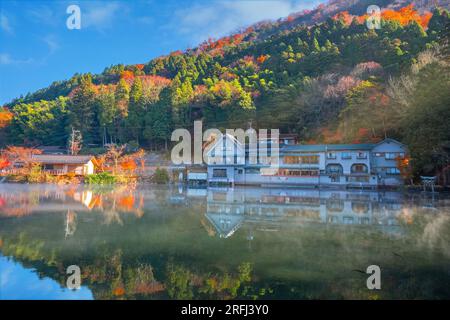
(158, 242)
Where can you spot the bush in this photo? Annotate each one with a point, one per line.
(100, 178)
(160, 176)
(35, 174)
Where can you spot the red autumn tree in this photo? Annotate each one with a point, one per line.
(21, 155)
(4, 163)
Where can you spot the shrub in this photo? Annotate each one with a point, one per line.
(35, 174)
(160, 176)
(100, 178)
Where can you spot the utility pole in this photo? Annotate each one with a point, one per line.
(75, 142)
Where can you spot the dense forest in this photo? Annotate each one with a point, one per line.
(330, 79)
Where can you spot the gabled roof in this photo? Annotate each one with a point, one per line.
(219, 142)
(389, 140)
(61, 159)
(225, 224)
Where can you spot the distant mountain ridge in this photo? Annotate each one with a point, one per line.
(265, 29)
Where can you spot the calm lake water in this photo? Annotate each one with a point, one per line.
(153, 242)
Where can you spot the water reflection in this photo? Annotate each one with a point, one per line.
(228, 210)
(158, 242)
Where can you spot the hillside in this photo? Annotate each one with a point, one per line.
(322, 74)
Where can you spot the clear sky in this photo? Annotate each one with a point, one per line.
(19, 283)
(37, 48)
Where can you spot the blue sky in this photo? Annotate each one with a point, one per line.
(19, 283)
(36, 47)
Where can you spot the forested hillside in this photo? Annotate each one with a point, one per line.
(321, 74)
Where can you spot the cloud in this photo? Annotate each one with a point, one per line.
(219, 18)
(101, 16)
(43, 15)
(51, 42)
(5, 26)
(6, 59)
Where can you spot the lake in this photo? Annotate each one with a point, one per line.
(158, 242)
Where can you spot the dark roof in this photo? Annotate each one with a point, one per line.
(52, 149)
(326, 147)
(61, 159)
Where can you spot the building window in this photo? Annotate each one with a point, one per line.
(291, 160)
(360, 207)
(346, 155)
(310, 159)
(358, 179)
(390, 156)
(331, 155)
(379, 154)
(335, 205)
(348, 220)
(301, 160)
(362, 155)
(252, 171)
(359, 168)
(219, 173)
(298, 173)
(392, 171)
(334, 168)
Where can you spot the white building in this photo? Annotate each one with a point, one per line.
(348, 165)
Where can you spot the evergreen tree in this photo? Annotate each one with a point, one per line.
(83, 109)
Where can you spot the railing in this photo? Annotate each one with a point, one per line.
(6, 172)
(55, 172)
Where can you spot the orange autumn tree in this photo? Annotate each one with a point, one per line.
(344, 16)
(404, 16)
(128, 165)
(21, 155)
(127, 75)
(403, 164)
(5, 117)
(129, 162)
(262, 58)
(139, 66)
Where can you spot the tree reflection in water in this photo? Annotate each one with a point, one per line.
(157, 242)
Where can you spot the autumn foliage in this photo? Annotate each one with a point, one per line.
(344, 16)
(407, 15)
(262, 58)
(127, 75)
(5, 117)
(4, 163)
(404, 16)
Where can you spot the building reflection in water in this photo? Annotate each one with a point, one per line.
(271, 209)
(226, 210)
